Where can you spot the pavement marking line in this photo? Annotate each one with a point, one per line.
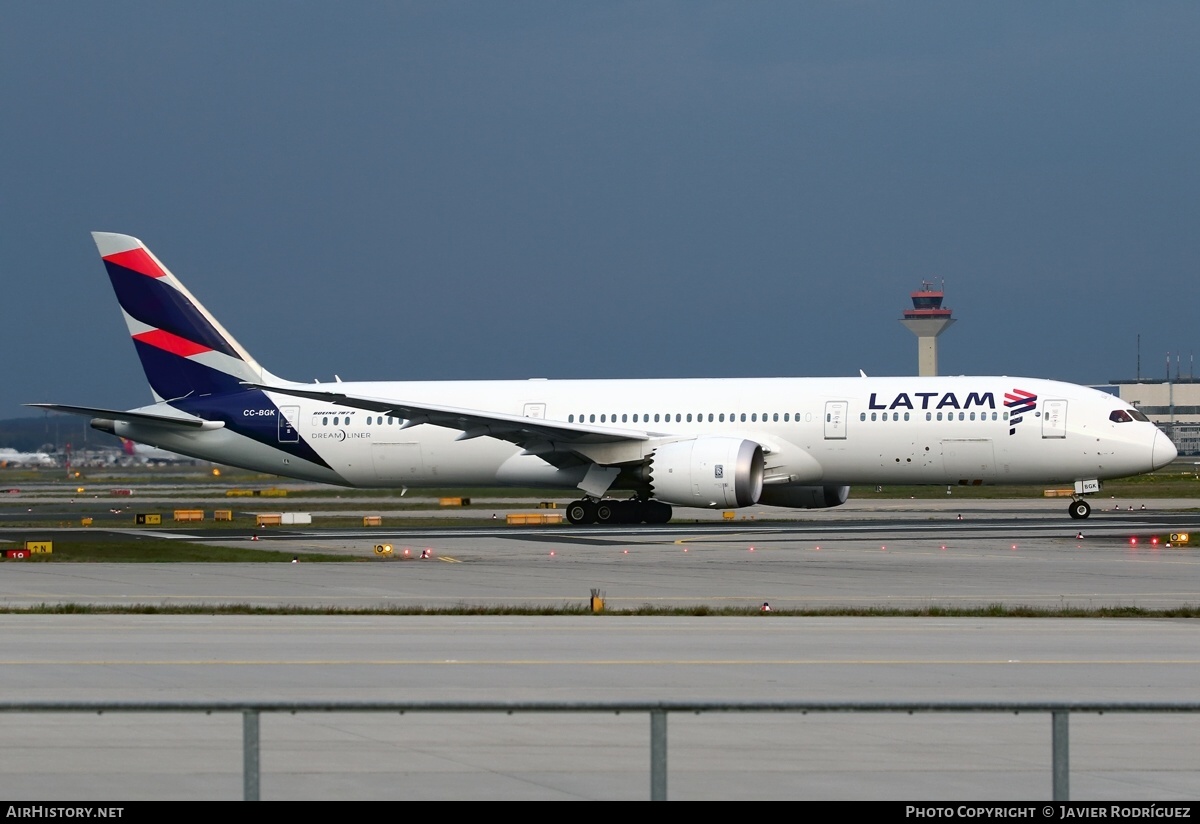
(608, 662)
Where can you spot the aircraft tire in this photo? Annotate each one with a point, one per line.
(628, 512)
(581, 512)
(1079, 509)
(607, 513)
(656, 512)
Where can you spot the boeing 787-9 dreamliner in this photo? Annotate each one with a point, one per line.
(630, 449)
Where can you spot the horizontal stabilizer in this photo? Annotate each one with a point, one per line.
(180, 420)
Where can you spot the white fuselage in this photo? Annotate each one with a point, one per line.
(910, 430)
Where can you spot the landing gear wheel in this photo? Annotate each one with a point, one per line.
(656, 512)
(628, 512)
(606, 513)
(1079, 509)
(581, 512)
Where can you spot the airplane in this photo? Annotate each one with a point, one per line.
(631, 449)
(12, 457)
(151, 454)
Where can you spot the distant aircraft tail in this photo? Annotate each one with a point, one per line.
(184, 350)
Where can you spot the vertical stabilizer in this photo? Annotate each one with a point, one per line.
(184, 350)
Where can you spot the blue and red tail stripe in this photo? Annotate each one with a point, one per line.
(154, 300)
(183, 351)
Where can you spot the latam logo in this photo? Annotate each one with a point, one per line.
(932, 400)
(1018, 402)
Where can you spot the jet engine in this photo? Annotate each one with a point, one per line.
(707, 472)
(805, 497)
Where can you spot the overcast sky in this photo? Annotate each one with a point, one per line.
(425, 190)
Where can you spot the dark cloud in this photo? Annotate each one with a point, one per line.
(479, 190)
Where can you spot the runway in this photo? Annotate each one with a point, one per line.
(919, 556)
(596, 756)
(998, 554)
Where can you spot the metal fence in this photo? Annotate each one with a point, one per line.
(1058, 712)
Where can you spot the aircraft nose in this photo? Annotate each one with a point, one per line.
(1163, 451)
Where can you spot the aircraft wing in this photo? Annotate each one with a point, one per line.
(179, 419)
(473, 423)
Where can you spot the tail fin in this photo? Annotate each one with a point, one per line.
(183, 349)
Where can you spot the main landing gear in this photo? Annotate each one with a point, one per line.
(589, 511)
(1079, 509)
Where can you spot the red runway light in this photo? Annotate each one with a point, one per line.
(1133, 541)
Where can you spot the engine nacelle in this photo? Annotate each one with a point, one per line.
(805, 497)
(708, 472)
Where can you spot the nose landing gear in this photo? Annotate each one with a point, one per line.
(1079, 509)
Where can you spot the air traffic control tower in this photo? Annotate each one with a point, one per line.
(927, 319)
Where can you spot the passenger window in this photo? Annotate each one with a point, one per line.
(722, 419)
(743, 417)
(862, 416)
(592, 418)
(872, 416)
(656, 417)
(905, 416)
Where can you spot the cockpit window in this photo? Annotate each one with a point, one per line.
(1119, 416)
(1138, 415)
